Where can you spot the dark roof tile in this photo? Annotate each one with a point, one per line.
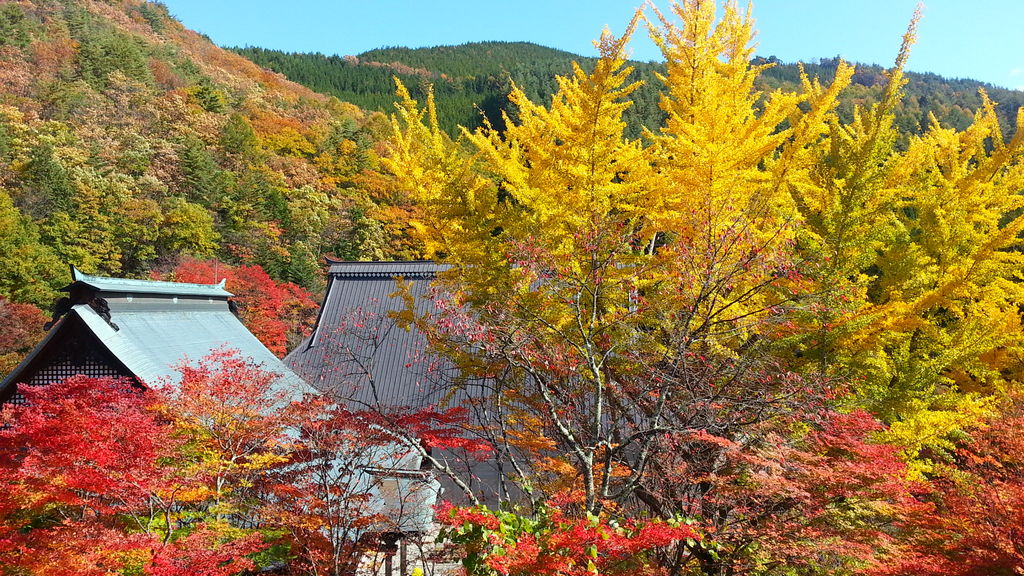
(359, 352)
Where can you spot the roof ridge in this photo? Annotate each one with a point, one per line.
(334, 261)
(109, 284)
(385, 268)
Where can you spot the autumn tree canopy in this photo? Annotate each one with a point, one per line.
(279, 314)
(223, 472)
(760, 316)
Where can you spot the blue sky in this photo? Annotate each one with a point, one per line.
(957, 38)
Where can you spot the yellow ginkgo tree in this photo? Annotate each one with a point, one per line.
(612, 274)
(686, 322)
(919, 251)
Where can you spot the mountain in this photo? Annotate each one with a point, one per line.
(127, 141)
(952, 101)
(472, 80)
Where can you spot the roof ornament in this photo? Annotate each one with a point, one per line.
(61, 307)
(80, 294)
(102, 308)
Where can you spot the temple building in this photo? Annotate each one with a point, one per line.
(144, 330)
(357, 352)
(360, 353)
(140, 329)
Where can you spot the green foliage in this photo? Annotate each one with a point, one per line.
(211, 98)
(14, 26)
(472, 81)
(205, 182)
(365, 240)
(103, 52)
(6, 139)
(188, 229)
(156, 14)
(62, 99)
(238, 137)
(29, 270)
(83, 232)
(46, 186)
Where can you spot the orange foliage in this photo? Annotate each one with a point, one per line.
(22, 328)
(282, 134)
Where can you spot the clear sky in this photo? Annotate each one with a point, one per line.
(980, 39)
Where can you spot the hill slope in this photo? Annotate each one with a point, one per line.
(473, 78)
(470, 81)
(127, 140)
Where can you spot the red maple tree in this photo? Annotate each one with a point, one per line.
(197, 476)
(969, 519)
(23, 327)
(95, 481)
(280, 314)
(559, 540)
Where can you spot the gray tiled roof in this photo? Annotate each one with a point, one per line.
(404, 268)
(159, 325)
(359, 352)
(153, 342)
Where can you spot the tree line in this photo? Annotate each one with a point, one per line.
(471, 82)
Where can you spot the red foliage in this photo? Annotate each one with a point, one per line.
(808, 490)
(559, 541)
(239, 421)
(22, 328)
(203, 552)
(233, 398)
(437, 429)
(164, 75)
(88, 444)
(316, 499)
(92, 477)
(839, 487)
(970, 522)
(280, 314)
(99, 475)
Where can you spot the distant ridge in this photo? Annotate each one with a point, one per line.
(473, 78)
(470, 80)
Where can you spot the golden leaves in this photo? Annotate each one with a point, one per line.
(891, 268)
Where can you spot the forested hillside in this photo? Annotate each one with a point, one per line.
(127, 141)
(470, 81)
(131, 146)
(474, 78)
(114, 117)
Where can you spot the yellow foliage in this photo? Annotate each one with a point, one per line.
(919, 252)
(747, 216)
(926, 426)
